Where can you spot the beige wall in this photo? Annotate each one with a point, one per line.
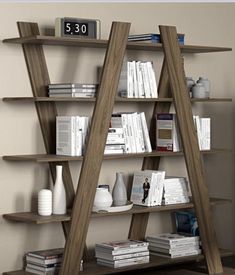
(206, 24)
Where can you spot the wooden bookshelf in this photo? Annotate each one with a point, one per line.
(100, 43)
(118, 99)
(58, 158)
(33, 217)
(92, 268)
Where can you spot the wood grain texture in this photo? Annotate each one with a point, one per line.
(92, 268)
(92, 161)
(39, 79)
(99, 43)
(191, 149)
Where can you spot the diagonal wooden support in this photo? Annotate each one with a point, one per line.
(92, 162)
(139, 222)
(191, 149)
(39, 79)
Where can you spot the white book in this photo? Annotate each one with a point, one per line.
(110, 257)
(135, 81)
(113, 151)
(153, 80)
(131, 134)
(156, 188)
(123, 263)
(65, 135)
(147, 143)
(126, 134)
(147, 87)
(129, 80)
(136, 131)
(205, 124)
(140, 131)
(183, 254)
(140, 80)
(198, 130)
(78, 136)
(124, 251)
(172, 238)
(155, 244)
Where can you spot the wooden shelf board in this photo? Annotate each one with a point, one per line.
(100, 43)
(155, 261)
(118, 99)
(58, 158)
(33, 217)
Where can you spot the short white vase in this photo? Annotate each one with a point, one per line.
(119, 191)
(103, 199)
(45, 202)
(59, 195)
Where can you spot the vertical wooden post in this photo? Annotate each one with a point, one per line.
(95, 148)
(139, 222)
(191, 149)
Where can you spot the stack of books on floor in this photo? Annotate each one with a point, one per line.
(175, 190)
(72, 90)
(44, 261)
(71, 133)
(135, 131)
(152, 37)
(122, 253)
(174, 245)
(137, 80)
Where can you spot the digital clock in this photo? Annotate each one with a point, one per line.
(77, 27)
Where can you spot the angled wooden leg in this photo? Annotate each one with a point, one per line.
(139, 222)
(191, 149)
(95, 148)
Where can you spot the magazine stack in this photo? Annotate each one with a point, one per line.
(174, 245)
(44, 261)
(122, 253)
(175, 191)
(72, 90)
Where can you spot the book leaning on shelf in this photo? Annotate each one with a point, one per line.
(137, 80)
(122, 253)
(152, 37)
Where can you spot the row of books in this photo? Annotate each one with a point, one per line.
(172, 245)
(72, 90)
(137, 80)
(71, 132)
(151, 188)
(135, 131)
(118, 254)
(153, 38)
(168, 137)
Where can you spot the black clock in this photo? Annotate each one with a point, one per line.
(77, 27)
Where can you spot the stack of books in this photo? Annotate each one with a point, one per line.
(174, 245)
(168, 137)
(115, 143)
(135, 131)
(152, 37)
(147, 188)
(44, 261)
(72, 90)
(175, 191)
(122, 253)
(203, 129)
(71, 132)
(137, 80)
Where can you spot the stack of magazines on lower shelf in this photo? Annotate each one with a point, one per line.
(44, 261)
(122, 253)
(174, 245)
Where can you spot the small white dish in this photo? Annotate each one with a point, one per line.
(122, 208)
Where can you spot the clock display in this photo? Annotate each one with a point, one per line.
(75, 28)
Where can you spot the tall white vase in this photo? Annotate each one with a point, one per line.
(59, 195)
(119, 191)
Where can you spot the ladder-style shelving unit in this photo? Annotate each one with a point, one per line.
(172, 89)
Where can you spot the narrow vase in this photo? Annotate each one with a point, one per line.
(119, 191)
(59, 195)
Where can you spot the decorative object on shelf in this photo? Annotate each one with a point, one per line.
(119, 191)
(45, 202)
(190, 82)
(67, 26)
(104, 186)
(199, 91)
(186, 222)
(103, 199)
(153, 38)
(113, 209)
(59, 195)
(206, 84)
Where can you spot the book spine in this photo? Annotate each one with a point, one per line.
(148, 147)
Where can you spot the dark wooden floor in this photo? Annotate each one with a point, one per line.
(189, 269)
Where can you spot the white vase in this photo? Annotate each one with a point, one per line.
(119, 191)
(206, 83)
(45, 202)
(59, 195)
(103, 199)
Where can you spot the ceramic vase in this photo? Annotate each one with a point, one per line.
(119, 191)
(190, 82)
(206, 83)
(45, 202)
(59, 195)
(198, 91)
(103, 199)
